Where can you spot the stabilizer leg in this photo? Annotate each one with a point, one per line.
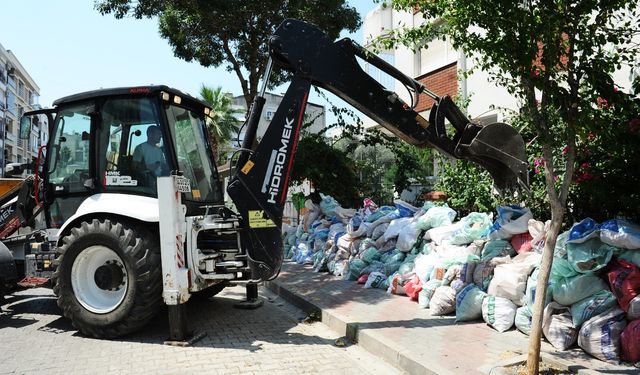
(253, 300)
(179, 332)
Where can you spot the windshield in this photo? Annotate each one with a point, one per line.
(193, 154)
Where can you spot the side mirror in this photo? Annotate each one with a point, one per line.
(25, 127)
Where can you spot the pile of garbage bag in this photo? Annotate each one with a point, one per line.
(485, 268)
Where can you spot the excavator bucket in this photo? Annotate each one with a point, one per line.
(499, 149)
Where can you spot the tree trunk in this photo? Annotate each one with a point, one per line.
(557, 215)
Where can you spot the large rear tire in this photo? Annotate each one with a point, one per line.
(108, 278)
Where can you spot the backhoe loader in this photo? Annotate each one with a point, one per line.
(119, 236)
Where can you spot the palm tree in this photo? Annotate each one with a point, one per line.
(222, 124)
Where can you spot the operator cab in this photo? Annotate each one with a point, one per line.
(120, 140)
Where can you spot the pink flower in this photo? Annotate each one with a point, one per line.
(591, 136)
(602, 103)
(565, 150)
(584, 165)
(538, 161)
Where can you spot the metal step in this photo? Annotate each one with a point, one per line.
(230, 263)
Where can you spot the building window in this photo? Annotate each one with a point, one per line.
(11, 82)
(11, 103)
(269, 113)
(385, 80)
(21, 92)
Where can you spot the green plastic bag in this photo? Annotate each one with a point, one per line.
(392, 267)
(532, 284)
(589, 307)
(568, 291)
(562, 269)
(437, 216)
(560, 250)
(469, 303)
(370, 255)
(355, 268)
(589, 256)
(523, 319)
(375, 266)
(406, 267)
(497, 248)
(475, 226)
(397, 256)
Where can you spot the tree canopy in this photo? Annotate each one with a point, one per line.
(222, 124)
(232, 33)
(558, 58)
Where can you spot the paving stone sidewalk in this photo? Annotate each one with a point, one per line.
(394, 328)
(35, 339)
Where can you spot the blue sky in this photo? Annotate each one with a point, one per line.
(68, 47)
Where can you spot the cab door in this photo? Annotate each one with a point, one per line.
(69, 177)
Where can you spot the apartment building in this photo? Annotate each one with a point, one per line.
(314, 114)
(18, 94)
(438, 66)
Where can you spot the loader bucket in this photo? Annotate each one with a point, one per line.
(499, 149)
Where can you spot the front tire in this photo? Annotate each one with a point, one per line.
(108, 278)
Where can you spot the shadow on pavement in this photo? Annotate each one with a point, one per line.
(224, 325)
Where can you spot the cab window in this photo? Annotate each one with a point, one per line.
(132, 151)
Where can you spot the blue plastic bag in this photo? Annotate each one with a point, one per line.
(512, 220)
(404, 208)
(583, 231)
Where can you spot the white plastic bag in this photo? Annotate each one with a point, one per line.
(428, 289)
(600, 335)
(395, 227)
(378, 231)
(383, 220)
(510, 279)
(538, 230)
(424, 264)
(620, 233)
(375, 279)
(441, 233)
(436, 217)
(511, 220)
(408, 236)
(498, 312)
(443, 301)
(558, 327)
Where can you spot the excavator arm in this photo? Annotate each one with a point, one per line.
(260, 182)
